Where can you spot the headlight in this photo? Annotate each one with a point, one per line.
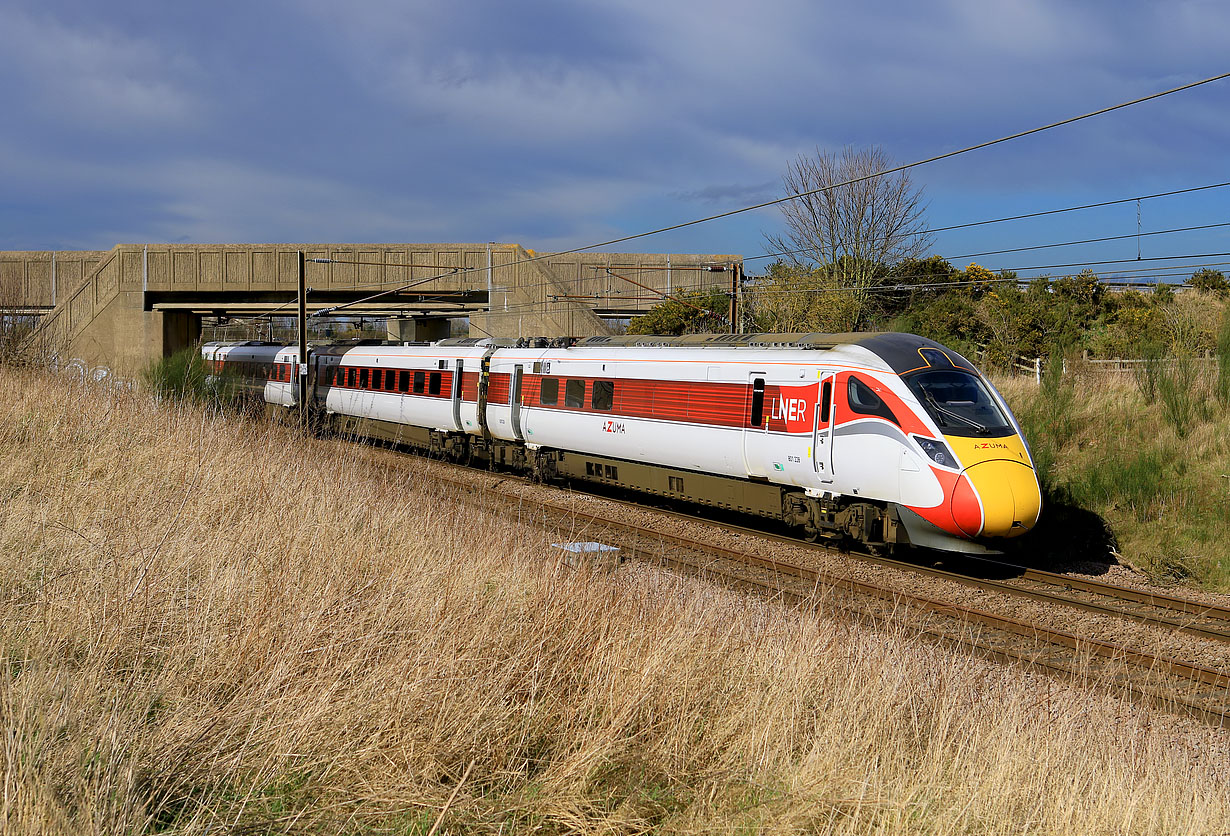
(937, 452)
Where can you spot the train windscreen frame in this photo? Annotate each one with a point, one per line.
(959, 403)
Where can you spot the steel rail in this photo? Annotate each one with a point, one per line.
(1208, 700)
(1213, 620)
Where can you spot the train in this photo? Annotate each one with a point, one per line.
(882, 439)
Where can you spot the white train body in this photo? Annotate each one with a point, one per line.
(888, 421)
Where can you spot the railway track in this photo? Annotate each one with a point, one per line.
(1157, 609)
(1162, 680)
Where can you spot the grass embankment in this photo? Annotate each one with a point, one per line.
(212, 625)
(1149, 454)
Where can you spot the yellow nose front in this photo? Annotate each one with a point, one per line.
(1011, 499)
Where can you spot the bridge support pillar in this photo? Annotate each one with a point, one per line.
(421, 330)
(180, 330)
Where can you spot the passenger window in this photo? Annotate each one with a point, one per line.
(419, 379)
(603, 396)
(866, 402)
(378, 379)
(403, 381)
(574, 394)
(350, 377)
(433, 384)
(548, 394)
(363, 376)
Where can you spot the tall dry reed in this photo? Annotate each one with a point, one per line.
(213, 625)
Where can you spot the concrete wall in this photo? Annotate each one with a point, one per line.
(610, 281)
(107, 316)
(36, 279)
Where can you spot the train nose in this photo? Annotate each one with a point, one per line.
(997, 498)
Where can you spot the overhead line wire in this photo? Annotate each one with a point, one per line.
(895, 169)
(1026, 216)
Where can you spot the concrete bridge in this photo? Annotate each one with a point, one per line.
(124, 307)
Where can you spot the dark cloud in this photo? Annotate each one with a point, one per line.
(559, 123)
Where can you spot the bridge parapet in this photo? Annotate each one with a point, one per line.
(137, 302)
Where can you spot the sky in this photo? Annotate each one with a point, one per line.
(558, 125)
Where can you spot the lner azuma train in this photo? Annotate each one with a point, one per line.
(880, 438)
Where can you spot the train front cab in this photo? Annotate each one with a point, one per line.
(993, 492)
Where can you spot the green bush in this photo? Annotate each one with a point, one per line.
(1181, 404)
(1148, 372)
(1223, 360)
(1132, 480)
(183, 376)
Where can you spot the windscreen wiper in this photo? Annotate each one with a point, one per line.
(970, 421)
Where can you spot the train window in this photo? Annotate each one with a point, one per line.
(826, 400)
(433, 384)
(574, 393)
(403, 381)
(548, 393)
(419, 379)
(350, 377)
(377, 378)
(390, 381)
(363, 378)
(866, 402)
(603, 396)
(757, 401)
(959, 403)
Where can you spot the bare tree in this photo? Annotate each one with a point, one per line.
(850, 224)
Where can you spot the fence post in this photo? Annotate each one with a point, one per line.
(1038, 370)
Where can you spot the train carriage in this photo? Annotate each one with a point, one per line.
(886, 438)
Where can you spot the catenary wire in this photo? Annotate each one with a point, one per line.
(893, 170)
(1026, 216)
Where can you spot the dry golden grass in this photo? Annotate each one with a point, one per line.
(210, 625)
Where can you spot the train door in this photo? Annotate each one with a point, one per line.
(755, 429)
(822, 435)
(514, 401)
(457, 378)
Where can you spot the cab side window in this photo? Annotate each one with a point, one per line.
(864, 401)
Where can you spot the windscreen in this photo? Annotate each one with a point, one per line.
(959, 403)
